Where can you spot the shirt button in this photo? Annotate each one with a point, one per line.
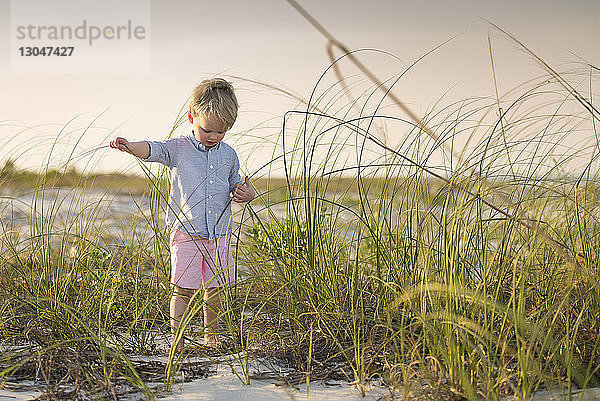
(211, 166)
(209, 211)
(210, 182)
(209, 196)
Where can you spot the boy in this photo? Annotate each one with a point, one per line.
(204, 175)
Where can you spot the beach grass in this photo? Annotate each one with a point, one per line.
(460, 266)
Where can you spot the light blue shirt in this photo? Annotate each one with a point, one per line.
(201, 183)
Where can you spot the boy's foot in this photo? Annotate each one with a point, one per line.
(177, 347)
(211, 342)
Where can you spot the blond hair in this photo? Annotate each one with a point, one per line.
(216, 97)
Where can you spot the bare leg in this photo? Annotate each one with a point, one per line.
(179, 303)
(212, 308)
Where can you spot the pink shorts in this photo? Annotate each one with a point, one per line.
(196, 261)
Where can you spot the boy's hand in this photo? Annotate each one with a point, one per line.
(139, 149)
(121, 144)
(243, 192)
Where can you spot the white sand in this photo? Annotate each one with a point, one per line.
(18, 395)
(592, 394)
(225, 386)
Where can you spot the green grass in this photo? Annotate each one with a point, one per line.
(443, 272)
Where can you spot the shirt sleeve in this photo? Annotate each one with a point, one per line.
(234, 176)
(162, 152)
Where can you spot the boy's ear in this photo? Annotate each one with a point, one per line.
(190, 117)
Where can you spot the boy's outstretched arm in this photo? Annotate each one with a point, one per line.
(139, 149)
(243, 192)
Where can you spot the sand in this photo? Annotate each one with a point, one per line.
(227, 387)
(223, 384)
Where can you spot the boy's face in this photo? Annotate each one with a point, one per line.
(208, 130)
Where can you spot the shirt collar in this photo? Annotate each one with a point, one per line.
(201, 146)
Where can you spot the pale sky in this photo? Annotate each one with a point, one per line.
(267, 40)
